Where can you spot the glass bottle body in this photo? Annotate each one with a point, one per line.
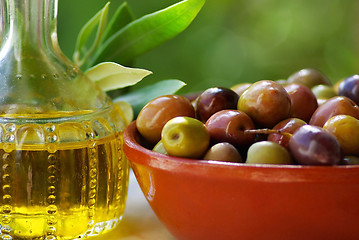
(63, 174)
(63, 179)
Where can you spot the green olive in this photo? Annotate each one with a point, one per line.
(185, 137)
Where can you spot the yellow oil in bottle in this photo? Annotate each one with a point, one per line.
(56, 185)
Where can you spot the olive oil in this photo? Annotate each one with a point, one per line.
(63, 174)
(75, 190)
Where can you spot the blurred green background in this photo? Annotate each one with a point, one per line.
(233, 41)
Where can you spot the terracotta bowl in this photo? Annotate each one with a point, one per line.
(198, 199)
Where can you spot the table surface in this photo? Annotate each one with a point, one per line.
(139, 221)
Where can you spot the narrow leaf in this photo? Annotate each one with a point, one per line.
(121, 18)
(139, 97)
(98, 20)
(111, 76)
(148, 32)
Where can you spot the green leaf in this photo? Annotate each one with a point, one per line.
(121, 18)
(139, 97)
(111, 76)
(99, 20)
(147, 32)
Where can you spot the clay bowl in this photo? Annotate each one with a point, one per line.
(198, 199)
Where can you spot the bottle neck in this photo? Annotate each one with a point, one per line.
(35, 76)
(29, 27)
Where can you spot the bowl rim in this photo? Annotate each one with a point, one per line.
(157, 160)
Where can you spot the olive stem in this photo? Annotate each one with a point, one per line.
(267, 131)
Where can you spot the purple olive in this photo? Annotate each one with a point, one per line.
(213, 100)
(312, 145)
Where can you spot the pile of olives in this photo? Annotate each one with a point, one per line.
(302, 120)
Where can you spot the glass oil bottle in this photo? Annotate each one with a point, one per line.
(63, 174)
